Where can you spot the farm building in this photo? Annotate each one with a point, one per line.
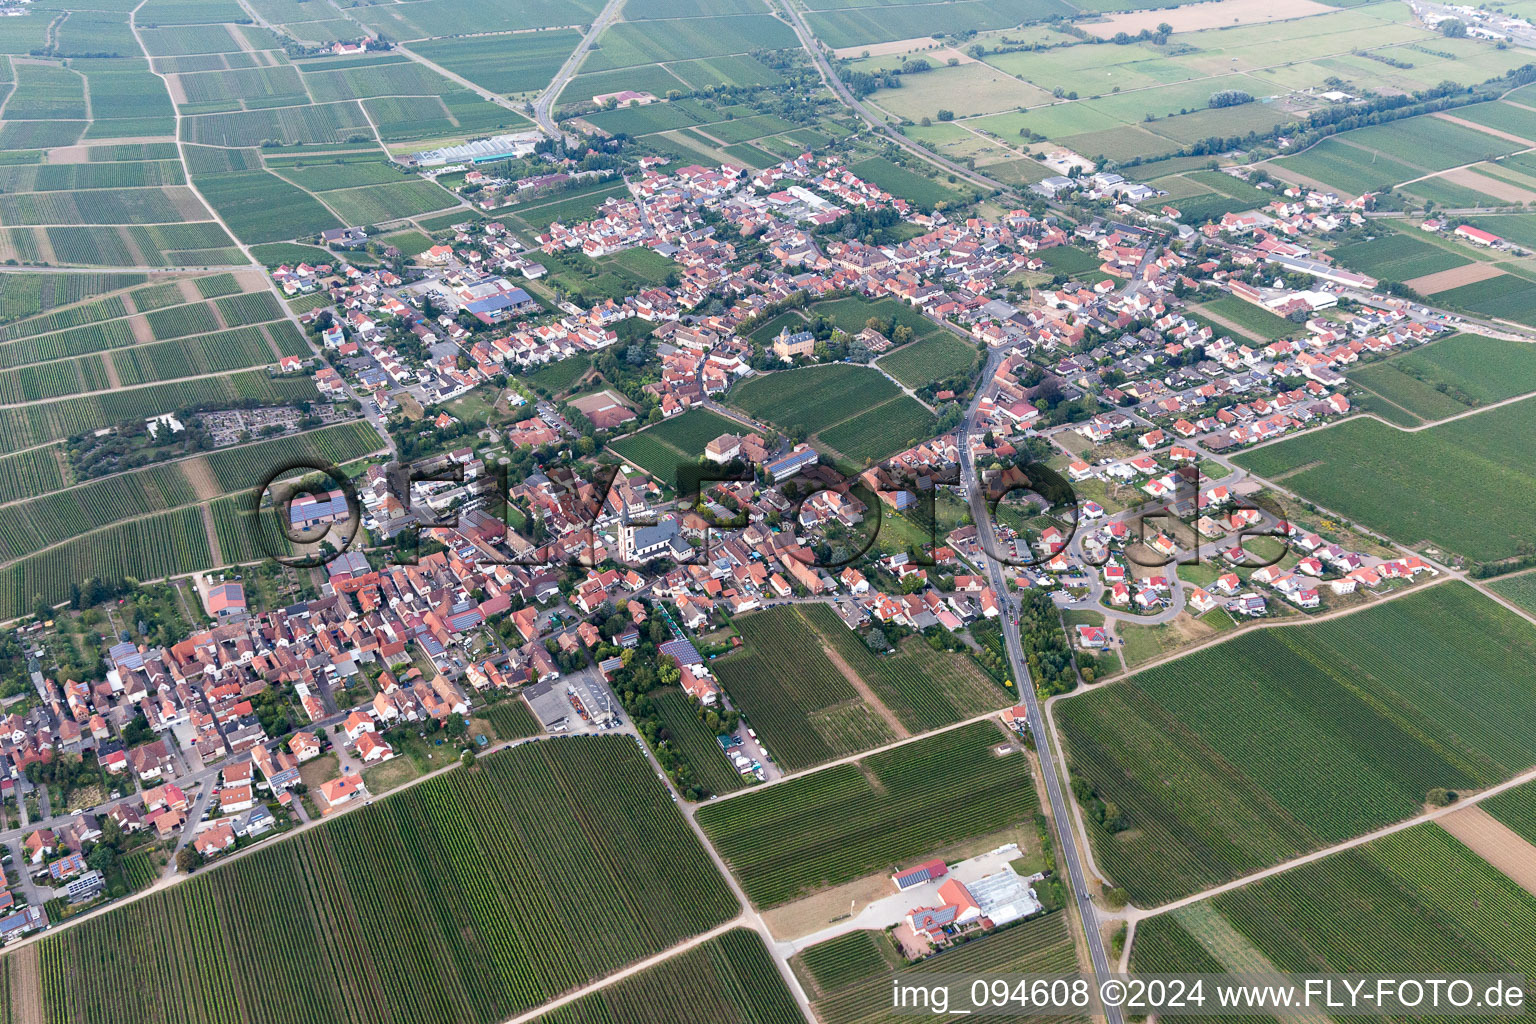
(924, 872)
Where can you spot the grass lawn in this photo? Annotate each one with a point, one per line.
(397, 771)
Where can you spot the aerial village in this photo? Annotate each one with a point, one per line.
(1134, 397)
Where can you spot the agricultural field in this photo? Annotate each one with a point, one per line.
(910, 185)
(814, 397)
(506, 64)
(803, 707)
(925, 688)
(32, 472)
(1394, 256)
(631, 43)
(1261, 323)
(840, 25)
(39, 423)
(684, 730)
(661, 449)
(723, 981)
(1285, 740)
(1508, 296)
(853, 820)
(849, 978)
(929, 361)
(1449, 377)
(1411, 898)
(167, 544)
(1479, 495)
(512, 719)
(880, 432)
(541, 896)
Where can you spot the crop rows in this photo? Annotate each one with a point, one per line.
(167, 544)
(108, 308)
(814, 397)
(924, 688)
(727, 980)
(930, 360)
(26, 426)
(208, 353)
(781, 681)
(32, 472)
(1041, 946)
(26, 294)
(851, 957)
(881, 431)
(96, 206)
(1290, 739)
(696, 743)
(53, 518)
(249, 465)
(180, 321)
(67, 344)
(848, 821)
(1483, 503)
(1413, 898)
(511, 719)
(399, 912)
(53, 380)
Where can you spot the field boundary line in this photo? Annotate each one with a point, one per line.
(1349, 844)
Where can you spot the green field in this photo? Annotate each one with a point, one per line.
(1462, 486)
(909, 185)
(661, 449)
(925, 689)
(853, 820)
(512, 719)
(1396, 257)
(1507, 296)
(1261, 323)
(929, 361)
(574, 844)
(797, 700)
(1452, 376)
(1413, 901)
(726, 980)
(882, 431)
(850, 976)
(1285, 740)
(812, 398)
(696, 743)
(1520, 590)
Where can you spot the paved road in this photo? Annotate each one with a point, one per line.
(1066, 834)
(544, 105)
(873, 119)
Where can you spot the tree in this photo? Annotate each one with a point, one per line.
(1453, 28)
(188, 860)
(946, 115)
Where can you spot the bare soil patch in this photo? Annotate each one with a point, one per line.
(1489, 185)
(1496, 843)
(26, 986)
(69, 154)
(894, 46)
(870, 697)
(139, 325)
(1285, 173)
(1428, 284)
(1485, 129)
(1221, 14)
(813, 913)
(202, 479)
(177, 91)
